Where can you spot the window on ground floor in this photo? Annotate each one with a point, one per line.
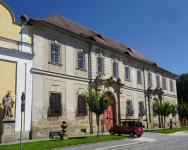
(81, 105)
(55, 104)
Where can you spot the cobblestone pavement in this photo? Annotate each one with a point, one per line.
(148, 141)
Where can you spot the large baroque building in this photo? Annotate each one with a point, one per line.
(69, 58)
(16, 61)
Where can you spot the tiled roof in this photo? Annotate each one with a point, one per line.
(83, 32)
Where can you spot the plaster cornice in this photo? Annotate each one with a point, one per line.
(7, 51)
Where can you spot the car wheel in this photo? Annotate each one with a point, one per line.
(138, 135)
(112, 132)
(119, 134)
(131, 134)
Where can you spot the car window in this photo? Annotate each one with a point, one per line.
(131, 124)
(126, 124)
(138, 124)
(119, 125)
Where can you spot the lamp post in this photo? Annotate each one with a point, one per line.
(22, 109)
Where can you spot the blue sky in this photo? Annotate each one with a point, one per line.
(156, 28)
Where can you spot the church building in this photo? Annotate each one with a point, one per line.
(16, 61)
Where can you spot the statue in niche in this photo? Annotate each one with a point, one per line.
(8, 103)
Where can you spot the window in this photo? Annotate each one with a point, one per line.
(158, 81)
(55, 53)
(119, 125)
(149, 79)
(129, 124)
(81, 105)
(115, 69)
(171, 85)
(100, 65)
(141, 108)
(174, 113)
(138, 124)
(55, 103)
(81, 60)
(154, 107)
(129, 108)
(164, 83)
(127, 73)
(139, 77)
(126, 124)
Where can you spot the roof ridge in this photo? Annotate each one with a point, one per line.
(87, 28)
(90, 29)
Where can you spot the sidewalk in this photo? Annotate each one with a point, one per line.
(56, 137)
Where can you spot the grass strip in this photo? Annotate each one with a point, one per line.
(41, 145)
(168, 130)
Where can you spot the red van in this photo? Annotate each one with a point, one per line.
(127, 127)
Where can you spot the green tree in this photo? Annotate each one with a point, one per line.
(182, 87)
(97, 102)
(164, 108)
(183, 110)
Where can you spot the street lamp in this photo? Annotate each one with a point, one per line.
(22, 109)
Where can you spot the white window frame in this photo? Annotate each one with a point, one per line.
(158, 80)
(139, 75)
(164, 83)
(127, 73)
(81, 59)
(149, 79)
(171, 85)
(116, 74)
(100, 65)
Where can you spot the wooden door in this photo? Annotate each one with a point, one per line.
(109, 115)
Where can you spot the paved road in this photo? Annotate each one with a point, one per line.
(175, 141)
(148, 141)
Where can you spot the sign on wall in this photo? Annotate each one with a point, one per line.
(144, 119)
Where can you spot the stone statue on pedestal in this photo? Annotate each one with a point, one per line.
(8, 123)
(8, 105)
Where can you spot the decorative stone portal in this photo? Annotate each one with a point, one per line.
(109, 115)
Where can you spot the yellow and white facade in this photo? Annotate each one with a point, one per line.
(16, 61)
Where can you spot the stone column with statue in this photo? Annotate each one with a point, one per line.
(8, 123)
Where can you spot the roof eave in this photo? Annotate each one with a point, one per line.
(104, 46)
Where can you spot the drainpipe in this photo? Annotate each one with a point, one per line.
(90, 80)
(145, 97)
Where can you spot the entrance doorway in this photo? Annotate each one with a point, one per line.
(109, 115)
